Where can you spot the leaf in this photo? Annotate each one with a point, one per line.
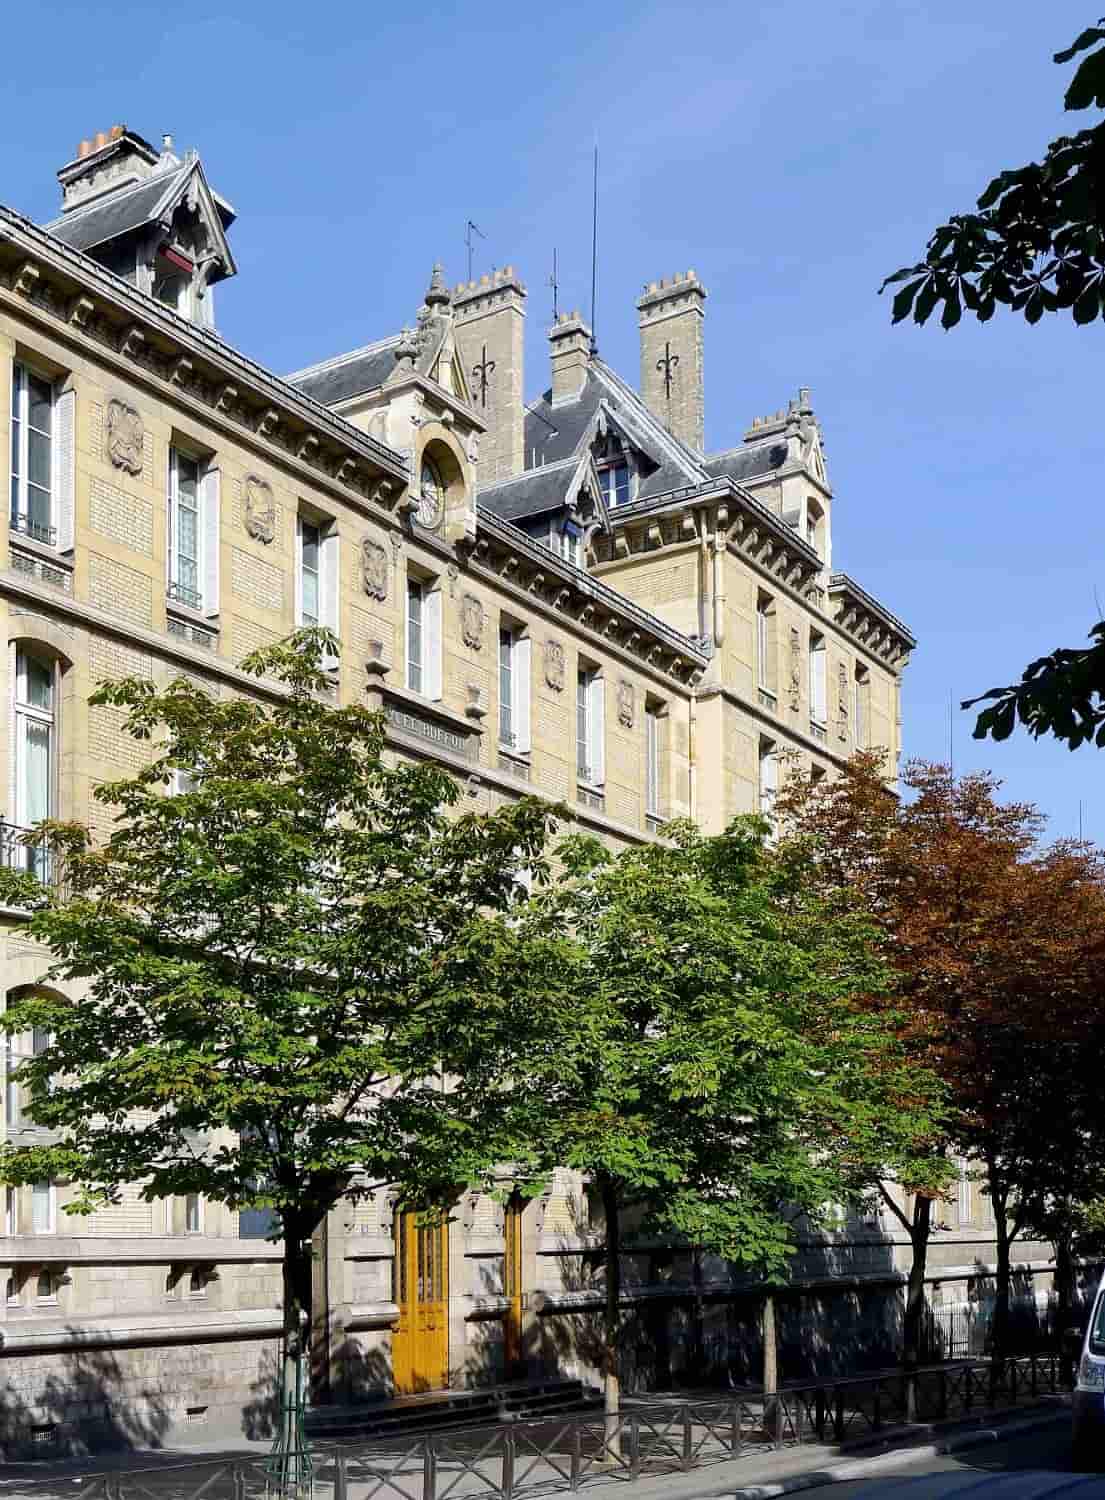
(952, 309)
(903, 302)
(1088, 84)
(1089, 304)
(926, 301)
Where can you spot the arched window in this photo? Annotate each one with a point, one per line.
(11, 1292)
(45, 1290)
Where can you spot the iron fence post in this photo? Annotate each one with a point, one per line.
(1032, 1374)
(876, 1422)
(819, 1413)
(634, 1445)
(943, 1387)
(508, 1460)
(577, 1456)
(968, 1389)
(779, 1422)
(341, 1479)
(1013, 1380)
(738, 1436)
(238, 1479)
(429, 1471)
(838, 1415)
(688, 1460)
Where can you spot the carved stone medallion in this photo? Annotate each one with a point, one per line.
(555, 665)
(471, 622)
(125, 437)
(260, 509)
(626, 703)
(374, 568)
(795, 669)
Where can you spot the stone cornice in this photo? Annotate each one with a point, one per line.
(776, 721)
(511, 557)
(41, 273)
(861, 616)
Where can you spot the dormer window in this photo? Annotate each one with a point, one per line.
(614, 479)
(172, 291)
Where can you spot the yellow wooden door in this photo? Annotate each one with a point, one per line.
(512, 1289)
(420, 1345)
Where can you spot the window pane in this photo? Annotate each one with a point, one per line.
(37, 683)
(36, 791)
(414, 635)
(40, 404)
(40, 1209)
(506, 687)
(310, 547)
(17, 390)
(38, 459)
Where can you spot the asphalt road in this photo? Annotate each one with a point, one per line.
(1030, 1467)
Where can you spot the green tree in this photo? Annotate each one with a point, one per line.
(278, 968)
(1035, 244)
(711, 1073)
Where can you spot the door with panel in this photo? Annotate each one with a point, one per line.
(420, 1343)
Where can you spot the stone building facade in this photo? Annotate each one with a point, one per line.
(570, 599)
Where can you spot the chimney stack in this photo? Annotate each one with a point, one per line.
(571, 356)
(671, 315)
(489, 325)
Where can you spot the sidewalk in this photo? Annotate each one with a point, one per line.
(757, 1475)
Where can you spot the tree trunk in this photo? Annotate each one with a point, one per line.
(1000, 1327)
(611, 1332)
(297, 1266)
(1063, 1245)
(771, 1362)
(920, 1230)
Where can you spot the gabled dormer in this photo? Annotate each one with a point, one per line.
(150, 217)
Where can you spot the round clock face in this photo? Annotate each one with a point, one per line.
(431, 498)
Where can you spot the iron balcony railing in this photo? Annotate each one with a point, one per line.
(27, 526)
(25, 854)
(182, 594)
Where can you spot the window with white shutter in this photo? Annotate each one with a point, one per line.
(34, 449)
(432, 674)
(65, 469)
(769, 779)
(523, 657)
(818, 679)
(211, 540)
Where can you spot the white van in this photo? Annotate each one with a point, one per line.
(1088, 1435)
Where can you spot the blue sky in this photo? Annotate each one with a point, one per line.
(791, 155)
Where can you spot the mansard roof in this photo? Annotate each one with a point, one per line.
(533, 493)
(152, 201)
(344, 376)
(749, 461)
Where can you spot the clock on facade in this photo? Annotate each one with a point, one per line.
(431, 497)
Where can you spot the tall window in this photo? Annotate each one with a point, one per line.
(818, 679)
(765, 644)
(568, 542)
(506, 687)
(813, 524)
(769, 778)
(614, 479)
(184, 529)
(193, 1213)
(964, 1194)
(653, 728)
(33, 731)
(18, 1053)
(310, 573)
(10, 1218)
(590, 726)
(43, 1208)
(32, 456)
(416, 610)
(862, 697)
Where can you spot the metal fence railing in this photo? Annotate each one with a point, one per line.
(517, 1458)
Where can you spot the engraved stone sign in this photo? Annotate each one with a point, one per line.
(374, 568)
(555, 665)
(125, 436)
(842, 702)
(795, 669)
(626, 704)
(471, 622)
(260, 509)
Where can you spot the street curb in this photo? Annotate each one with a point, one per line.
(892, 1458)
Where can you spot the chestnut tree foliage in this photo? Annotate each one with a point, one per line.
(280, 955)
(998, 943)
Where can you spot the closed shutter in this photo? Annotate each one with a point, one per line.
(298, 571)
(431, 670)
(65, 468)
(598, 729)
(521, 674)
(11, 811)
(330, 614)
(211, 539)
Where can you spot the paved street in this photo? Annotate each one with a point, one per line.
(1025, 1467)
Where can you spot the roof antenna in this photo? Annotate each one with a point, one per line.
(470, 243)
(594, 248)
(555, 287)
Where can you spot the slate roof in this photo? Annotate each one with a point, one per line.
(118, 213)
(748, 462)
(347, 375)
(534, 493)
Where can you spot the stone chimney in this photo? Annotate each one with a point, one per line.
(671, 315)
(489, 323)
(570, 341)
(110, 160)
